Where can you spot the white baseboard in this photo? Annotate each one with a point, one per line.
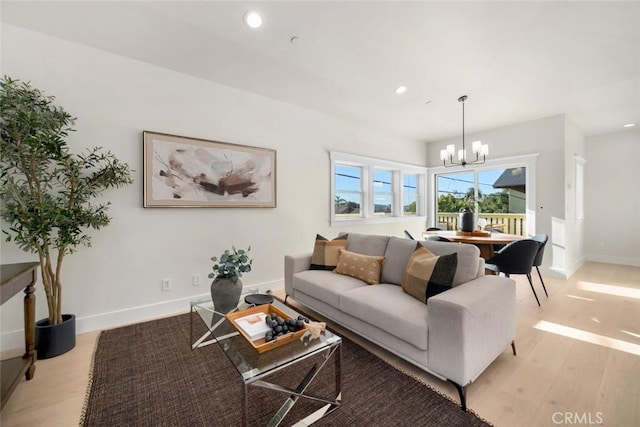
(633, 261)
(15, 339)
(552, 272)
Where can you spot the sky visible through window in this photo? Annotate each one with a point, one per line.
(458, 184)
(348, 179)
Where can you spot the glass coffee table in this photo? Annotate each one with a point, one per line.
(254, 367)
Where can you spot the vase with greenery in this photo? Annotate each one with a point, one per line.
(467, 219)
(226, 287)
(48, 193)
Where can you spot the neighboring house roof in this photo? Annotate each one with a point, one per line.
(511, 178)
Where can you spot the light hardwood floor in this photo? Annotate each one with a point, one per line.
(588, 374)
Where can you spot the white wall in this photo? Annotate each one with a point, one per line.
(118, 279)
(612, 201)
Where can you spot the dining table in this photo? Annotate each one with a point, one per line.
(484, 240)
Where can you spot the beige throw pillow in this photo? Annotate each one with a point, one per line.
(364, 267)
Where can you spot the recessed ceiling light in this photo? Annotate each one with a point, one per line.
(252, 19)
(401, 89)
(629, 125)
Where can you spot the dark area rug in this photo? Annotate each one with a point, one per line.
(147, 375)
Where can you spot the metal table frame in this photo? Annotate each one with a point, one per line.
(332, 350)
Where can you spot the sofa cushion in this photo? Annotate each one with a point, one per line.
(364, 267)
(396, 258)
(325, 285)
(428, 274)
(468, 258)
(390, 309)
(326, 252)
(367, 244)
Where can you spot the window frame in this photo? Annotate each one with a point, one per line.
(417, 194)
(363, 174)
(368, 165)
(528, 161)
(393, 192)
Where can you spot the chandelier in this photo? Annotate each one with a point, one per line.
(477, 148)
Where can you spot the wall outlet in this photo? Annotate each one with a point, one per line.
(166, 285)
(195, 280)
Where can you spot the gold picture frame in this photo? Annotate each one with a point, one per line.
(181, 171)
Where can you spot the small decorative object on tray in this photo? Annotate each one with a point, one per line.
(258, 299)
(314, 330)
(279, 327)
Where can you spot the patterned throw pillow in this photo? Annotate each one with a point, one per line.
(325, 252)
(428, 275)
(364, 267)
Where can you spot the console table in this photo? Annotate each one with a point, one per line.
(15, 277)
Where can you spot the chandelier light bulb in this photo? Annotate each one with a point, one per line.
(475, 146)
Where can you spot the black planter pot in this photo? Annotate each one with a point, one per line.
(466, 221)
(54, 340)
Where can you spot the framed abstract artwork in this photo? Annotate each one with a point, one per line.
(189, 172)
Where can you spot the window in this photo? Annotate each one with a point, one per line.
(409, 194)
(501, 192)
(498, 196)
(373, 190)
(348, 191)
(383, 193)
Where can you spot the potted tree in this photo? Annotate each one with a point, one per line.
(226, 287)
(47, 195)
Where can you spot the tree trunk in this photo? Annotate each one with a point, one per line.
(52, 287)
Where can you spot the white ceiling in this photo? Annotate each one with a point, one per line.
(516, 61)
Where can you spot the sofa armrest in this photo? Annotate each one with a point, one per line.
(481, 267)
(470, 325)
(294, 264)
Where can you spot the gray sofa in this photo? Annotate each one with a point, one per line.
(455, 336)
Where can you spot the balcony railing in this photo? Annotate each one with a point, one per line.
(508, 223)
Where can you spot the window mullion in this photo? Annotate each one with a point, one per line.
(367, 190)
(398, 202)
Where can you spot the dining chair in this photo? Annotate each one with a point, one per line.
(515, 258)
(542, 242)
(408, 235)
(436, 238)
(496, 247)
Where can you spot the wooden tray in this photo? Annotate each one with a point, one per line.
(477, 233)
(260, 344)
